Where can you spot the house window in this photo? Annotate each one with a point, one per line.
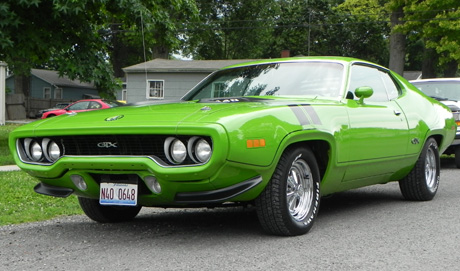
(155, 89)
(58, 93)
(219, 90)
(47, 93)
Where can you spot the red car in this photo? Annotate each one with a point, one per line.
(81, 106)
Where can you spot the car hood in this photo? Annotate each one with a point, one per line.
(171, 114)
(453, 105)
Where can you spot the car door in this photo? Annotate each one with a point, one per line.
(378, 132)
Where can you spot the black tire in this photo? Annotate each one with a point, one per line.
(50, 116)
(296, 175)
(107, 214)
(422, 183)
(457, 156)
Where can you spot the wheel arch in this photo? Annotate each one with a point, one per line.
(322, 146)
(438, 138)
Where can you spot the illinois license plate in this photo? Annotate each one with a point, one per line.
(118, 194)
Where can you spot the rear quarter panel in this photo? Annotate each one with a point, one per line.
(426, 117)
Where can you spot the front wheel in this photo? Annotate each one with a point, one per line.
(422, 182)
(105, 213)
(290, 202)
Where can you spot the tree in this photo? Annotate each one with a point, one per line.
(436, 24)
(361, 30)
(153, 33)
(231, 29)
(334, 27)
(78, 39)
(397, 38)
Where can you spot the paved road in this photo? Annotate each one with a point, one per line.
(365, 229)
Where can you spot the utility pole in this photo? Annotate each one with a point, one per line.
(2, 92)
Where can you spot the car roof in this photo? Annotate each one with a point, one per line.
(453, 79)
(336, 59)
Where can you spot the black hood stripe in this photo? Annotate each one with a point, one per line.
(300, 114)
(312, 113)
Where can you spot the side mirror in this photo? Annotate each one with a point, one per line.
(363, 92)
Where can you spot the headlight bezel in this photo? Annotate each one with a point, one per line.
(39, 150)
(192, 155)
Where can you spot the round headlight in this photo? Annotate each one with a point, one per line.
(178, 151)
(203, 150)
(54, 152)
(36, 151)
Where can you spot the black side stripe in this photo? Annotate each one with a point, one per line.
(312, 113)
(300, 114)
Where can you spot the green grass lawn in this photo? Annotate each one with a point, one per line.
(5, 156)
(19, 203)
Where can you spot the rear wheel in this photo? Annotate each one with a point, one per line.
(423, 181)
(107, 214)
(289, 204)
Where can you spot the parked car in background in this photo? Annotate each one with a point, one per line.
(57, 106)
(81, 106)
(277, 134)
(447, 91)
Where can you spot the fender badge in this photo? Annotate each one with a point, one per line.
(114, 118)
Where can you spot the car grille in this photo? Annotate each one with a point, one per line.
(144, 145)
(115, 145)
(124, 145)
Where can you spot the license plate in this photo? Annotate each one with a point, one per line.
(118, 194)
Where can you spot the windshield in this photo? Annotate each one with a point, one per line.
(440, 90)
(315, 79)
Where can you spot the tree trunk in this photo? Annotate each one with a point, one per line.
(451, 69)
(22, 85)
(430, 58)
(160, 51)
(397, 43)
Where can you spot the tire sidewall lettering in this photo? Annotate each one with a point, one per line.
(316, 201)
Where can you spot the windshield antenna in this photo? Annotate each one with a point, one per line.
(143, 45)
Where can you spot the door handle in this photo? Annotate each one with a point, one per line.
(397, 112)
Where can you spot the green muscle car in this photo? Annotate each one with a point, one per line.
(275, 134)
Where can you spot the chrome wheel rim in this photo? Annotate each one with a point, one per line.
(299, 190)
(431, 170)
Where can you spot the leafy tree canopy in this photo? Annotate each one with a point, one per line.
(76, 37)
(437, 24)
(231, 29)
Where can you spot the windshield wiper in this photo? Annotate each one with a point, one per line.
(439, 98)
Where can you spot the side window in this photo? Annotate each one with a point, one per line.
(364, 76)
(79, 106)
(392, 88)
(95, 105)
